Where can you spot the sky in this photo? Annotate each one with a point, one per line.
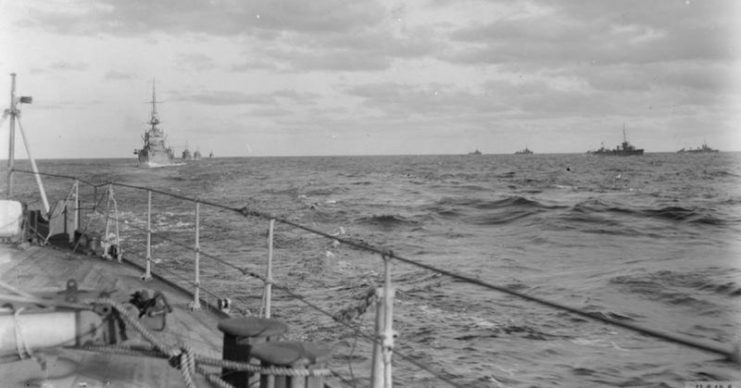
(373, 77)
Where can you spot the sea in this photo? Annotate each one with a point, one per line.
(651, 240)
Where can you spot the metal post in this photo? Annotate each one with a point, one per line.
(383, 346)
(11, 141)
(107, 215)
(148, 272)
(377, 372)
(388, 337)
(119, 250)
(196, 304)
(77, 205)
(269, 275)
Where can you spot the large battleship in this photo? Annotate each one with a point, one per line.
(623, 149)
(154, 153)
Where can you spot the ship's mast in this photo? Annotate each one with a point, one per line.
(154, 120)
(624, 138)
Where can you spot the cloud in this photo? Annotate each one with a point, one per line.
(219, 17)
(61, 66)
(227, 97)
(331, 59)
(599, 32)
(438, 100)
(117, 75)
(195, 61)
(271, 100)
(296, 97)
(270, 112)
(325, 35)
(253, 64)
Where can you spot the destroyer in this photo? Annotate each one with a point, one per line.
(704, 149)
(155, 152)
(624, 149)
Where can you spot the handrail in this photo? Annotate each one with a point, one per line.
(729, 354)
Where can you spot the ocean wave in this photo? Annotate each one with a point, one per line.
(697, 281)
(679, 289)
(722, 173)
(485, 204)
(387, 221)
(501, 217)
(670, 213)
(323, 191)
(489, 212)
(519, 331)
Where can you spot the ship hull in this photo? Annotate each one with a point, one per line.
(148, 158)
(617, 153)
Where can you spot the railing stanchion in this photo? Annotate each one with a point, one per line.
(107, 217)
(384, 339)
(269, 274)
(118, 251)
(77, 204)
(111, 250)
(148, 271)
(196, 304)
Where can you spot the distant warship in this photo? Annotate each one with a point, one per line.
(624, 149)
(699, 150)
(154, 153)
(525, 151)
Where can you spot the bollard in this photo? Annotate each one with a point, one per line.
(240, 336)
(294, 355)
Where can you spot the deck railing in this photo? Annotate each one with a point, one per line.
(383, 339)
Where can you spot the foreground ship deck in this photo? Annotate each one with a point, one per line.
(42, 269)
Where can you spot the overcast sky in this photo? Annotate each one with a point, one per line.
(337, 77)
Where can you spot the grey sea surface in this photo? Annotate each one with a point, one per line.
(652, 240)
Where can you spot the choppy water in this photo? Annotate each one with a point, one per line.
(654, 240)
